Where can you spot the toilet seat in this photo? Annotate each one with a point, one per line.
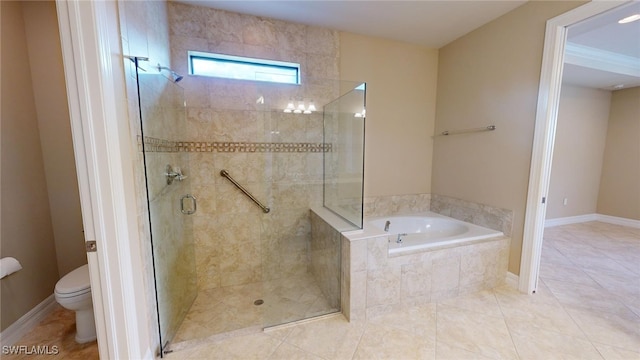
(75, 283)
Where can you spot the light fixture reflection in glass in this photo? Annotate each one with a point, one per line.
(301, 108)
(361, 114)
(290, 107)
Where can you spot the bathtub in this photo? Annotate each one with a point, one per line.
(427, 231)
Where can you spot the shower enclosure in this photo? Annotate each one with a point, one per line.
(223, 263)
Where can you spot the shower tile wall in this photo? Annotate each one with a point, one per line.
(236, 243)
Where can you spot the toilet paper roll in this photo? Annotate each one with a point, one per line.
(9, 265)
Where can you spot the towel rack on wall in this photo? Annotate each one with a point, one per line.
(225, 173)
(470, 130)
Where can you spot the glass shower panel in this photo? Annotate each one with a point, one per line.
(170, 200)
(301, 274)
(344, 120)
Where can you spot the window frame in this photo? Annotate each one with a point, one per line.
(243, 60)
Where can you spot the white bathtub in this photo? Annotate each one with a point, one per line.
(428, 230)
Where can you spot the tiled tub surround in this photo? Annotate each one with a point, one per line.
(379, 283)
(374, 282)
(375, 206)
(325, 259)
(480, 214)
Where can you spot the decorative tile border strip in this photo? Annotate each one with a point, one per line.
(160, 145)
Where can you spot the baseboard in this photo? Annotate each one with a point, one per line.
(592, 217)
(27, 322)
(619, 221)
(512, 280)
(570, 220)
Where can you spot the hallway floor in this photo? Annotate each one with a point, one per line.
(587, 307)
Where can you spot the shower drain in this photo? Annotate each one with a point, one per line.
(258, 302)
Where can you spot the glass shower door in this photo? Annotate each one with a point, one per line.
(169, 198)
(344, 120)
(301, 257)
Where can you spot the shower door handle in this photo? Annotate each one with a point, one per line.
(191, 210)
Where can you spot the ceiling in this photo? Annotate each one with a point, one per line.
(433, 24)
(601, 53)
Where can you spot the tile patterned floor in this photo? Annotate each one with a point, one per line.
(231, 308)
(587, 307)
(57, 330)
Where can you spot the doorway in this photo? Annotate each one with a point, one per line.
(554, 58)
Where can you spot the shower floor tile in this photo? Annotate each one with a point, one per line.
(231, 308)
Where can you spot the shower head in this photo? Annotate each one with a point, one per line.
(175, 76)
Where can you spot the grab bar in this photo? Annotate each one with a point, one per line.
(225, 173)
(464, 131)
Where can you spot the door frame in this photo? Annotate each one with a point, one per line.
(95, 80)
(544, 135)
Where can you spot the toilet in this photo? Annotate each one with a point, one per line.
(73, 292)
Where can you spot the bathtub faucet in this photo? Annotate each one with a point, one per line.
(399, 239)
(386, 225)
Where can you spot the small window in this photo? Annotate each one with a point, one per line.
(243, 68)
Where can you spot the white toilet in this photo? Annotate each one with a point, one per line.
(73, 292)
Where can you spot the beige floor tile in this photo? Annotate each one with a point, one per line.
(552, 256)
(483, 302)
(586, 297)
(537, 343)
(331, 338)
(567, 273)
(475, 332)
(254, 346)
(419, 321)
(614, 353)
(444, 351)
(539, 310)
(617, 283)
(621, 331)
(381, 341)
(290, 352)
(279, 333)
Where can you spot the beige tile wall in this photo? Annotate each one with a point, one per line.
(480, 214)
(325, 259)
(396, 204)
